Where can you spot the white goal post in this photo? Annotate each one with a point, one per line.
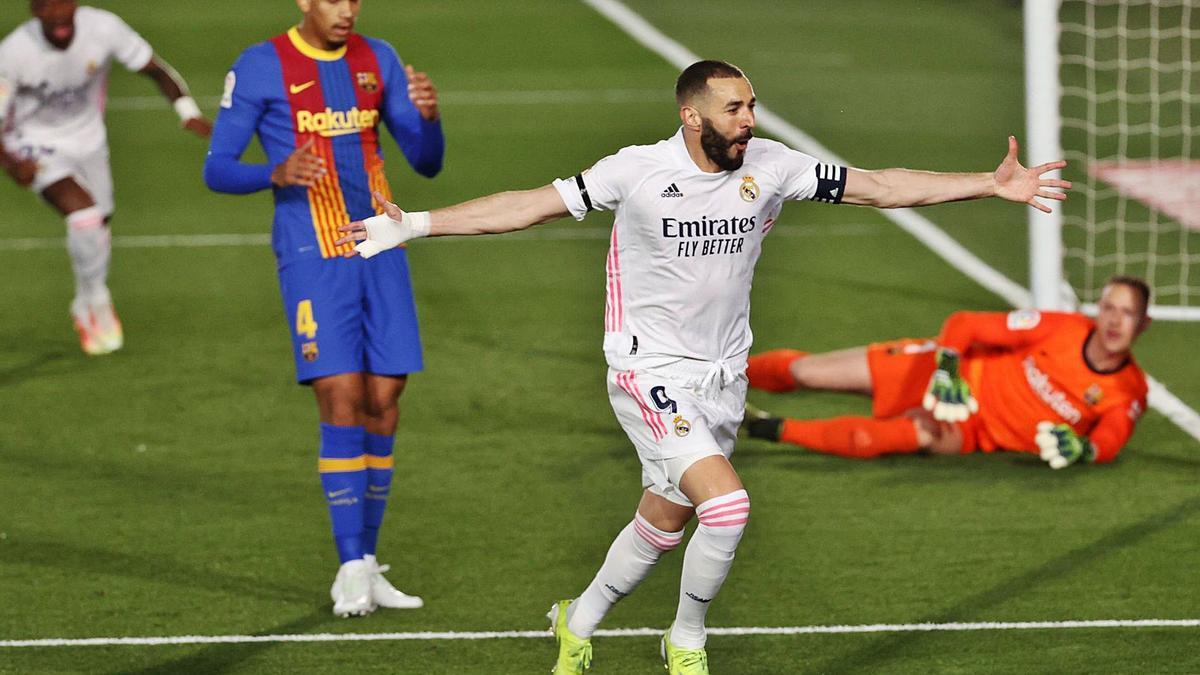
(1111, 86)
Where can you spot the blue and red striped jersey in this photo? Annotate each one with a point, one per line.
(289, 92)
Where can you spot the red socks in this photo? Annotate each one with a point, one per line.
(769, 370)
(856, 437)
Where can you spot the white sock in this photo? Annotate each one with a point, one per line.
(90, 245)
(630, 558)
(706, 562)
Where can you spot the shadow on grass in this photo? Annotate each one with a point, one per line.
(28, 368)
(221, 658)
(1169, 462)
(873, 657)
(86, 561)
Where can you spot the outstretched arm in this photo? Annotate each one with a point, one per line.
(894, 188)
(494, 214)
(171, 83)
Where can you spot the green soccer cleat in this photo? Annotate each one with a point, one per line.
(574, 653)
(679, 661)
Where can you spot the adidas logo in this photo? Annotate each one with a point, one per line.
(672, 191)
(615, 591)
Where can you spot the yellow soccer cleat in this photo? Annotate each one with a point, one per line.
(680, 661)
(574, 653)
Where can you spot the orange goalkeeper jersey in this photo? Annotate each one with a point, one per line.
(1026, 367)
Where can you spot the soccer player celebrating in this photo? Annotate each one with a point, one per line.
(1060, 385)
(691, 215)
(53, 78)
(315, 96)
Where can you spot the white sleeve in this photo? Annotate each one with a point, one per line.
(7, 90)
(125, 44)
(600, 188)
(804, 177)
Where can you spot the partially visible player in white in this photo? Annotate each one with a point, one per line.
(691, 215)
(53, 80)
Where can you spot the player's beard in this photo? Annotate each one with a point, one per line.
(716, 147)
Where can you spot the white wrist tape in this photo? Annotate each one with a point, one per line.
(186, 108)
(421, 223)
(384, 233)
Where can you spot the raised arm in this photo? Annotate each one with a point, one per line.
(894, 188)
(494, 214)
(411, 111)
(171, 84)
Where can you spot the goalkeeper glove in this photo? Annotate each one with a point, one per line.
(1060, 446)
(383, 232)
(948, 396)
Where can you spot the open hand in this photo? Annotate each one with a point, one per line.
(387, 230)
(423, 94)
(300, 168)
(1019, 184)
(948, 396)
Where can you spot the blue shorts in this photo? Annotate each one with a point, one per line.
(349, 315)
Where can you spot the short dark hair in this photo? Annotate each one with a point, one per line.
(1138, 285)
(694, 79)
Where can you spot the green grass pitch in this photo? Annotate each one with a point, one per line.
(170, 489)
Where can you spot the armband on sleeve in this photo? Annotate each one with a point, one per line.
(574, 193)
(831, 183)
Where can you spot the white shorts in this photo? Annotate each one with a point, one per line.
(91, 171)
(673, 420)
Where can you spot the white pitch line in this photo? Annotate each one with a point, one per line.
(452, 98)
(588, 233)
(615, 632)
(925, 231)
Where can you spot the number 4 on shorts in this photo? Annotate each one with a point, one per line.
(305, 325)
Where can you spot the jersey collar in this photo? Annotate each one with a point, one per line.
(682, 158)
(311, 51)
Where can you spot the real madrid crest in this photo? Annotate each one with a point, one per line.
(748, 189)
(682, 426)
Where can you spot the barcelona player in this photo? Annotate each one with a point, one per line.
(1060, 385)
(315, 96)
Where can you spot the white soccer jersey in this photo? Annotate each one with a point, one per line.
(56, 96)
(685, 242)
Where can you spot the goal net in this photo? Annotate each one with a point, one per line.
(1127, 106)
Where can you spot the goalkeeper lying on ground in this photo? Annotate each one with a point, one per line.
(1063, 386)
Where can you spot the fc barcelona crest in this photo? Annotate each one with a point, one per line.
(367, 81)
(1093, 394)
(309, 351)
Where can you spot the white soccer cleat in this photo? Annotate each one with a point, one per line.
(98, 327)
(384, 594)
(351, 590)
(108, 327)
